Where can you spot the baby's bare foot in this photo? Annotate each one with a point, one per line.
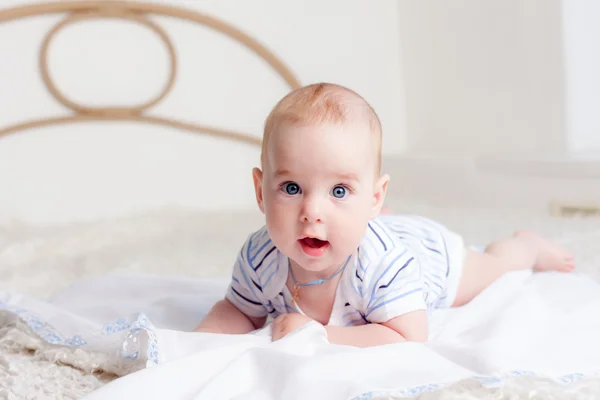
(551, 256)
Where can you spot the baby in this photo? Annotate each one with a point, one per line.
(327, 254)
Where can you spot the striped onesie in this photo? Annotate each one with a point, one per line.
(403, 264)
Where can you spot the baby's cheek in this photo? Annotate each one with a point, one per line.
(280, 224)
(280, 204)
(350, 233)
(279, 213)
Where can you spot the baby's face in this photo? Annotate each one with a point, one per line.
(319, 190)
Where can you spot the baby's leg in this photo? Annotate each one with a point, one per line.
(525, 250)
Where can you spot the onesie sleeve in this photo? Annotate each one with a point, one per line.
(245, 291)
(394, 286)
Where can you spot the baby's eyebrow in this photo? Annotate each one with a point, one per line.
(281, 172)
(347, 176)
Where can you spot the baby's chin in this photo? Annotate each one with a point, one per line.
(318, 264)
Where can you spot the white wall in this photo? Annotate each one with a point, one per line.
(90, 171)
(582, 55)
(501, 103)
(483, 76)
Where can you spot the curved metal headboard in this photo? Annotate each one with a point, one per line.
(137, 12)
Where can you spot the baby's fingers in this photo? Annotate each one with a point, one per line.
(278, 328)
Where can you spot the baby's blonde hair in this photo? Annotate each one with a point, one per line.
(322, 103)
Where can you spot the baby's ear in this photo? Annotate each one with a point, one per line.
(257, 176)
(379, 194)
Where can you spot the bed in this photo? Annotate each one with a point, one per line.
(86, 291)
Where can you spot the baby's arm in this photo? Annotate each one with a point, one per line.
(243, 310)
(411, 327)
(225, 318)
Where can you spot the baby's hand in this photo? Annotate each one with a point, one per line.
(288, 323)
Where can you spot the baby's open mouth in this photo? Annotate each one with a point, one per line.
(314, 247)
(314, 242)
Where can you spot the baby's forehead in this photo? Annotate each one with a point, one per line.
(335, 146)
(351, 132)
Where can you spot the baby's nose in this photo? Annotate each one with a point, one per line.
(311, 211)
(307, 219)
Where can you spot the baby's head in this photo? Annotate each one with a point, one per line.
(320, 184)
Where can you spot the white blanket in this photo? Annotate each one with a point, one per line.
(542, 324)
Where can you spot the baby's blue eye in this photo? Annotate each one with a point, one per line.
(339, 192)
(291, 188)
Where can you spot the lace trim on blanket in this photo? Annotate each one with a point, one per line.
(515, 379)
(138, 334)
(142, 331)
